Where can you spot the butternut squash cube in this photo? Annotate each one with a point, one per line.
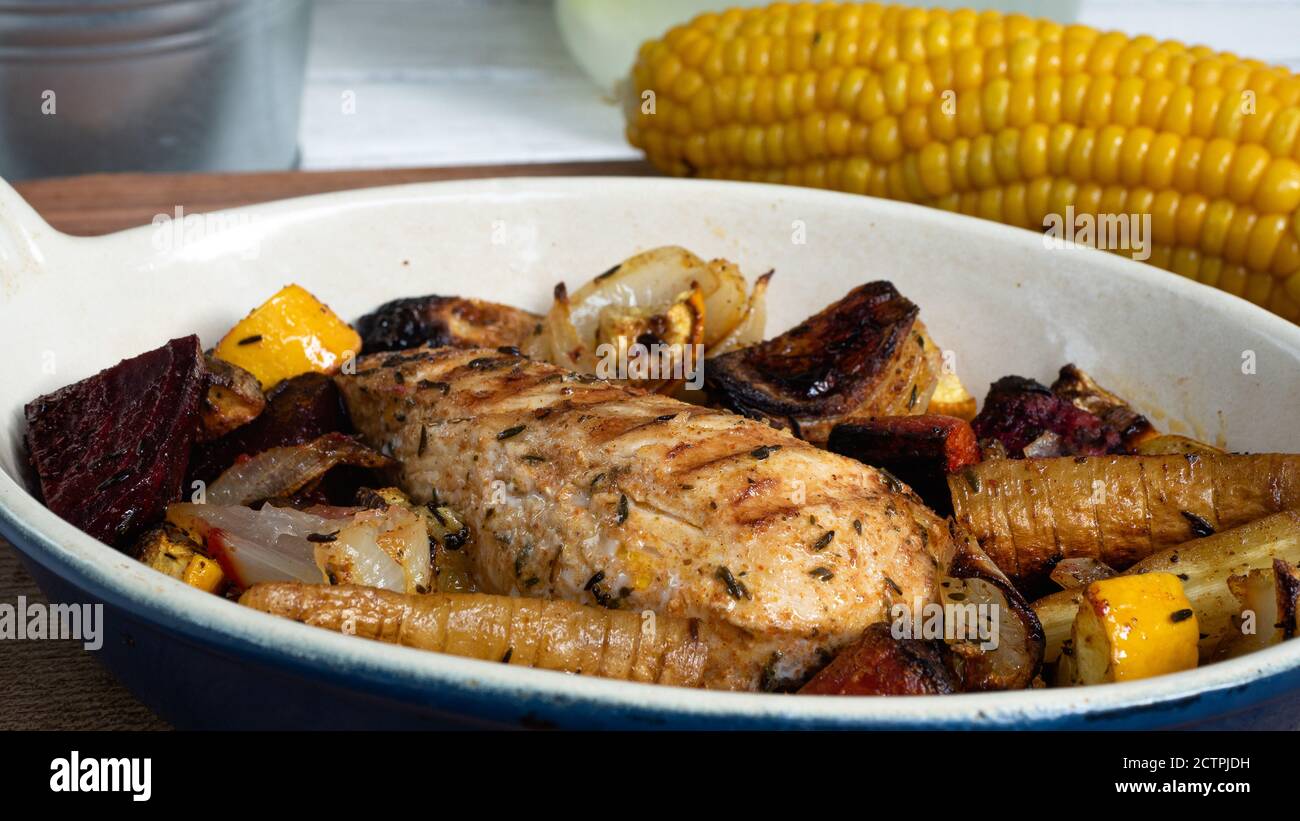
(1132, 627)
(291, 333)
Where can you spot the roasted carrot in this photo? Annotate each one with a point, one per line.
(878, 664)
(548, 634)
(1030, 513)
(920, 450)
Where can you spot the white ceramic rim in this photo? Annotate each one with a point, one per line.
(214, 620)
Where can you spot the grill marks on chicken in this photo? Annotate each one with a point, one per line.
(600, 494)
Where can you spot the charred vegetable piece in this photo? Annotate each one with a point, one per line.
(1030, 513)
(880, 665)
(379, 498)
(650, 281)
(233, 398)
(445, 320)
(1133, 627)
(167, 549)
(919, 450)
(551, 635)
(111, 450)
(298, 410)
(1082, 391)
(1288, 597)
(1204, 566)
(290, 334)
(1027, 419)
(977, 593)
(281, 472)
(866, 355)
(451, 535)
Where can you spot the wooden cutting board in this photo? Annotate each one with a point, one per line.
(56, 684)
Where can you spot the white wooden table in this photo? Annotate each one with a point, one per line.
(475, 82)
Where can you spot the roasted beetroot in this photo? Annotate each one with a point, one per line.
(1027, 419)
(298, 410)
(1082, 391)
(111, 450)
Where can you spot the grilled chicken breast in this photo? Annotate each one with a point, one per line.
(600, 494)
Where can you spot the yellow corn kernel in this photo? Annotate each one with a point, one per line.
(982, 172)
(1215, 161)
(933, 168)
(1190, 218)
(1106, 156)
(1279, 187)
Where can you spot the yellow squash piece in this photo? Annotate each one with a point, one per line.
(168, 550)
(1000, 116)
(291, 333)
(950, 398)
(1132, 627)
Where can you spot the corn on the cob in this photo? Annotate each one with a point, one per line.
(1001, 116)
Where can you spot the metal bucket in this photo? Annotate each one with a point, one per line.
(150, 85)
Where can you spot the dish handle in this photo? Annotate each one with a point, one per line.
(20, 231)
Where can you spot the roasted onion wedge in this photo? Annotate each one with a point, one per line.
(1269, 599)
(658, 351)
(653, 279)
(866, 355)
(668, 302)
(976, 586)
(281, 472)
(386, 548)
(749, 330)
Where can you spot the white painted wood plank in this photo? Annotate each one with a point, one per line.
(459, 82)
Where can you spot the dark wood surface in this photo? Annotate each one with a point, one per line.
(56, 684)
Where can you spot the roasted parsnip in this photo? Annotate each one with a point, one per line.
(549, 634)
(1204, 566)
(1030, 513)
(1268, 600)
